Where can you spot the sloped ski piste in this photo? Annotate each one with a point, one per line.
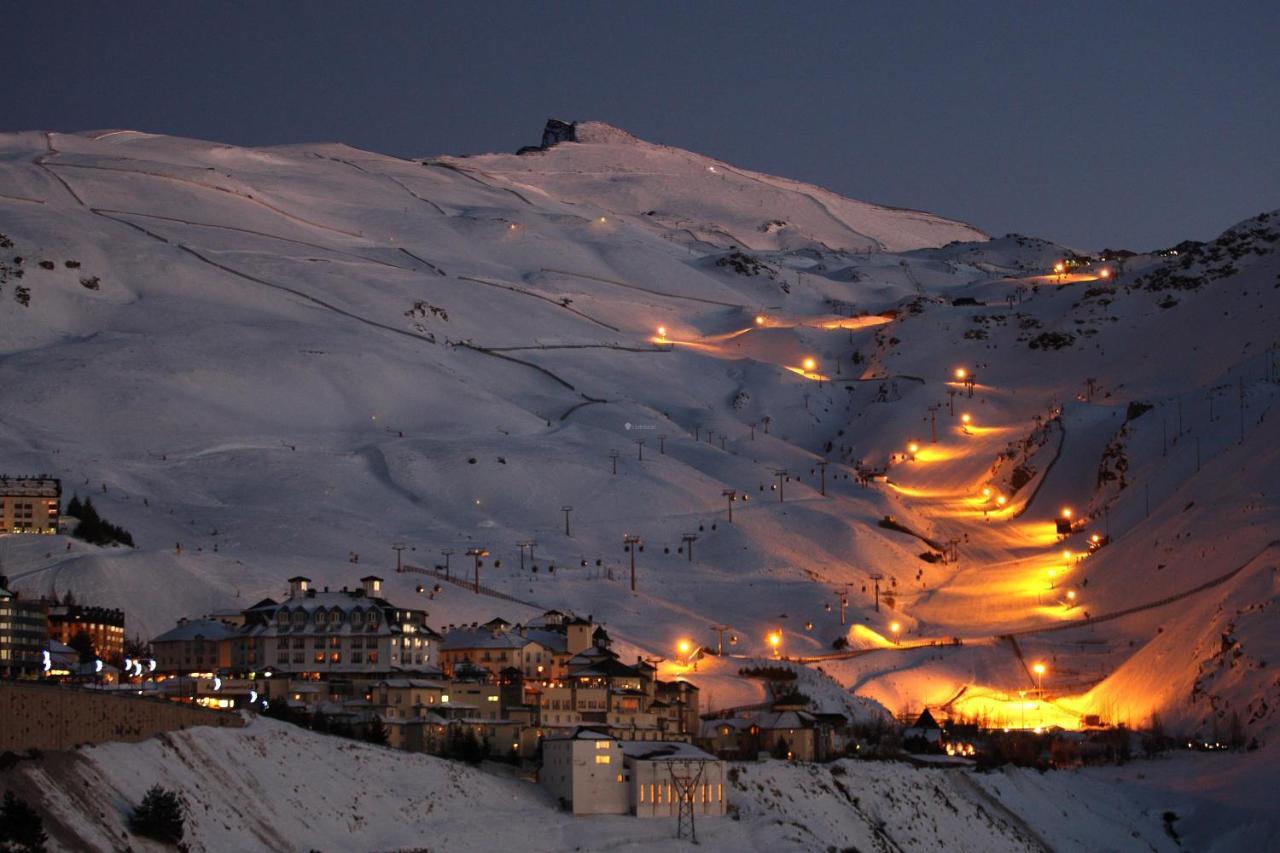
(281, 358)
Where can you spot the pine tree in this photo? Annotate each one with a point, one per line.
(21, 829)
(74, 508)
(159, 816)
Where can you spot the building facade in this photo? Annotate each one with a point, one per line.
(30, 504)
(24, 635)
(104, 627)
(583, 770)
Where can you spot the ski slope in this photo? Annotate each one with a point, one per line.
(279, 358)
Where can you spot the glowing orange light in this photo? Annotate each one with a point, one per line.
(810, 364)
(1059, 267)
(913, 448)
(1039, 669)
(966, 418)
(684, 647)
(512, 226)
(1104, 273)
(986, 492)
(1067, 512)
(1066, 554)
(662, 331)
(603, 220)
(895, 627)
(775, 639)
(759, 319)
(961, 373)
(1002, 500)
(1071, 594)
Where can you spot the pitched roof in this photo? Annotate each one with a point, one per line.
(649, 750)
(207, 629)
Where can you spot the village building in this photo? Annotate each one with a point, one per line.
(24, 634)
(30, 504)
(344, 633)
(583, 770)
(104, 627)
(659, 774)
(193, 645)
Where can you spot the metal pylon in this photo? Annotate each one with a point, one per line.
(685, 777)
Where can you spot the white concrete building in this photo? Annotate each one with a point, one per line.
(655, 771)
(584, 771)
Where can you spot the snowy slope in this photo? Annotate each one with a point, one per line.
(685, 196)
(276, 787)
(293, 354)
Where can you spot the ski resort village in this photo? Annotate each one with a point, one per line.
(609, 496)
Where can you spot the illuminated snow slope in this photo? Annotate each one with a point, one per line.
(297, 353)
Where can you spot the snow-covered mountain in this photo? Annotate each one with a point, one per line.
(278, 358)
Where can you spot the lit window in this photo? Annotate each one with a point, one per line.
(603, 759)
(602, 744)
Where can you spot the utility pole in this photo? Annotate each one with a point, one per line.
(951, 393)
(522, 544)
(631, 542)
(876, 579)
(731, 496)
(689, 539)
(477, 553)
(639, 449)
(398, 548)
(822, 466)
(445, 552)
(720, 629)
(753, 430)
(781, 474)
(566, 509)
(933, 424)
(613, 455)
(844, 602)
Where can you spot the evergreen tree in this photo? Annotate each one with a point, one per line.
(21, 829)
(159, 816)
(83, 644)
(73, 507)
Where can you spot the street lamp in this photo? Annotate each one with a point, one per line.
(759, 319)
(662, 332)
(477, 553)
(775, 640)
(1039, 669)
(810, 365)
(912, 449)
(895, 628)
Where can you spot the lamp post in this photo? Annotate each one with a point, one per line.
(781, 474)
(822, 466)
(613, 456)
(445, 552)
(775, 642)
(566, 509)
(478, 553)
(398, 548)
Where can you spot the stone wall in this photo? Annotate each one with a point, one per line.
(50, 717)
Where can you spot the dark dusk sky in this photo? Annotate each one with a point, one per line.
(1090, 123)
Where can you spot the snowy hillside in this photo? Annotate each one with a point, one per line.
(276, 787)
(278, 358)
